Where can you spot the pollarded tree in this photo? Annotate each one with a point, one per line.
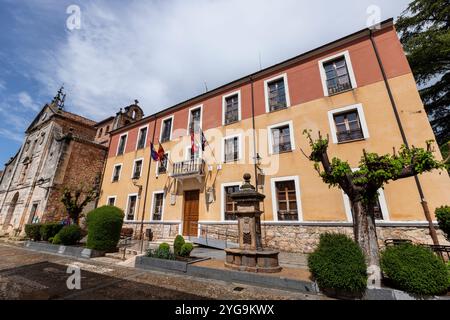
(362, 186)
(76, 199)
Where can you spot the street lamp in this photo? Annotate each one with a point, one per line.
(141, 233)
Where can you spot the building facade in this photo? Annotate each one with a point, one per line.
(60, 150)
(255, 125)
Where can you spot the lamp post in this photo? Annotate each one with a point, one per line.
(141, 238)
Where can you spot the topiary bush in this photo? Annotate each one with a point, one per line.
(104, 228)
(177, 244)
(338, 265)
(49, 230)
(33, 231)
(443, 218)
(68, 236)
(415, 269)
(186, 250)
(164, 247)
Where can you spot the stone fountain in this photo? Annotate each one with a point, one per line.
(250, 256)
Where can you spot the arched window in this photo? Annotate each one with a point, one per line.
(100, 132)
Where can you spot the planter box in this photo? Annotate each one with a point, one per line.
(72, 251)
(143, 262)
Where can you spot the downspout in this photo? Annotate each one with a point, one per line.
(423, 201)
(146, 186)
(255, 151)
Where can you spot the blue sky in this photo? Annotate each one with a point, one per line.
(159, 52)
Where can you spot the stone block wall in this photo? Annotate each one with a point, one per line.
(160, 231)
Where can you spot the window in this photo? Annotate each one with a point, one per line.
(348, 127)
(116, 173)
(277, 93)
(195, 120)
(107, 129)
(337, 74)
(131, 207)
(231, 149)
(111, 201)
(158, 206)
(33, 212)
(348, 124)
(231, 108)
(122, 144)
(100, 132)
(162, 165)
(281, 138)
(137, 169)
(230, 205)
(142, 139)
(190, 156)
(286, 201)
(166, 130)
(381, 211)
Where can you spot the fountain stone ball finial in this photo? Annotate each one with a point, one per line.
(247, 185)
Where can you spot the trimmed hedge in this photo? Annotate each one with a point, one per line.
(177, 244)
(164, 247)
(443, 218)
(163, 252)
(33, 231)
(104, 228)
(68, 236)
(50, 230)
(186, 250)
(338, 264)
(415, 269)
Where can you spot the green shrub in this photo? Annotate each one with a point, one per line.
(49, 230)
(163, 252)
(51, 239)
(415, 269)
(338, 264)
(33, 231)
(186, 249)
(104, 227)
(443, 217)
(68, 236)
(177, 244)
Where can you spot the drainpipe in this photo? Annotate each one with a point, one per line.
(146, 187)
(255, 151)
(423, 201)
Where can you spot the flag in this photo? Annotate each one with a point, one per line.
(193, 146)
(161, 153)
(153, 152)
(204, 142)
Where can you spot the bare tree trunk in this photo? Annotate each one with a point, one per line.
(366, 236)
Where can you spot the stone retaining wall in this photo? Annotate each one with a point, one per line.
(304, 238)
(160, 231)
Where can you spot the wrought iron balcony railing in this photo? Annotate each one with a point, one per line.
(189, 168)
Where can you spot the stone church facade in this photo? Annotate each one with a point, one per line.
(60, 150)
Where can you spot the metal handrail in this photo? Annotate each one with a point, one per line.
(195, 166)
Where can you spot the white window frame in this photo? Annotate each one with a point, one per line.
(224, 106)
(286, 89)
(222, 195)
(240, 152)
(134, 167)
(362, 120)
(187, 153)
(111, 197)
(157, 164)
(153, 204)
(270, 137)
(114, 170)
(189, 117)
(135, 209)
(381, 200)
(138, 135)
(323, 74)
(125, 146)
(171, 127)
(296, 180)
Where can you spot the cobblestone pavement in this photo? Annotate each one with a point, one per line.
(27, 274)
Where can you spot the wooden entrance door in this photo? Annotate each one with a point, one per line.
(190, 217)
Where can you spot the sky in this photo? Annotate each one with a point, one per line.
(110, 52)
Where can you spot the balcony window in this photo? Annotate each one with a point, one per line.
(158, 206)
(131, 208)
(162, 164)
(166, 131)
(122, 144)
(142, 138)
(195, 117)
(286, 201)
(231, 111)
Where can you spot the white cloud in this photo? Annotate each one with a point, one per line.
(162, 52)
(11, 135)
(26, 101)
